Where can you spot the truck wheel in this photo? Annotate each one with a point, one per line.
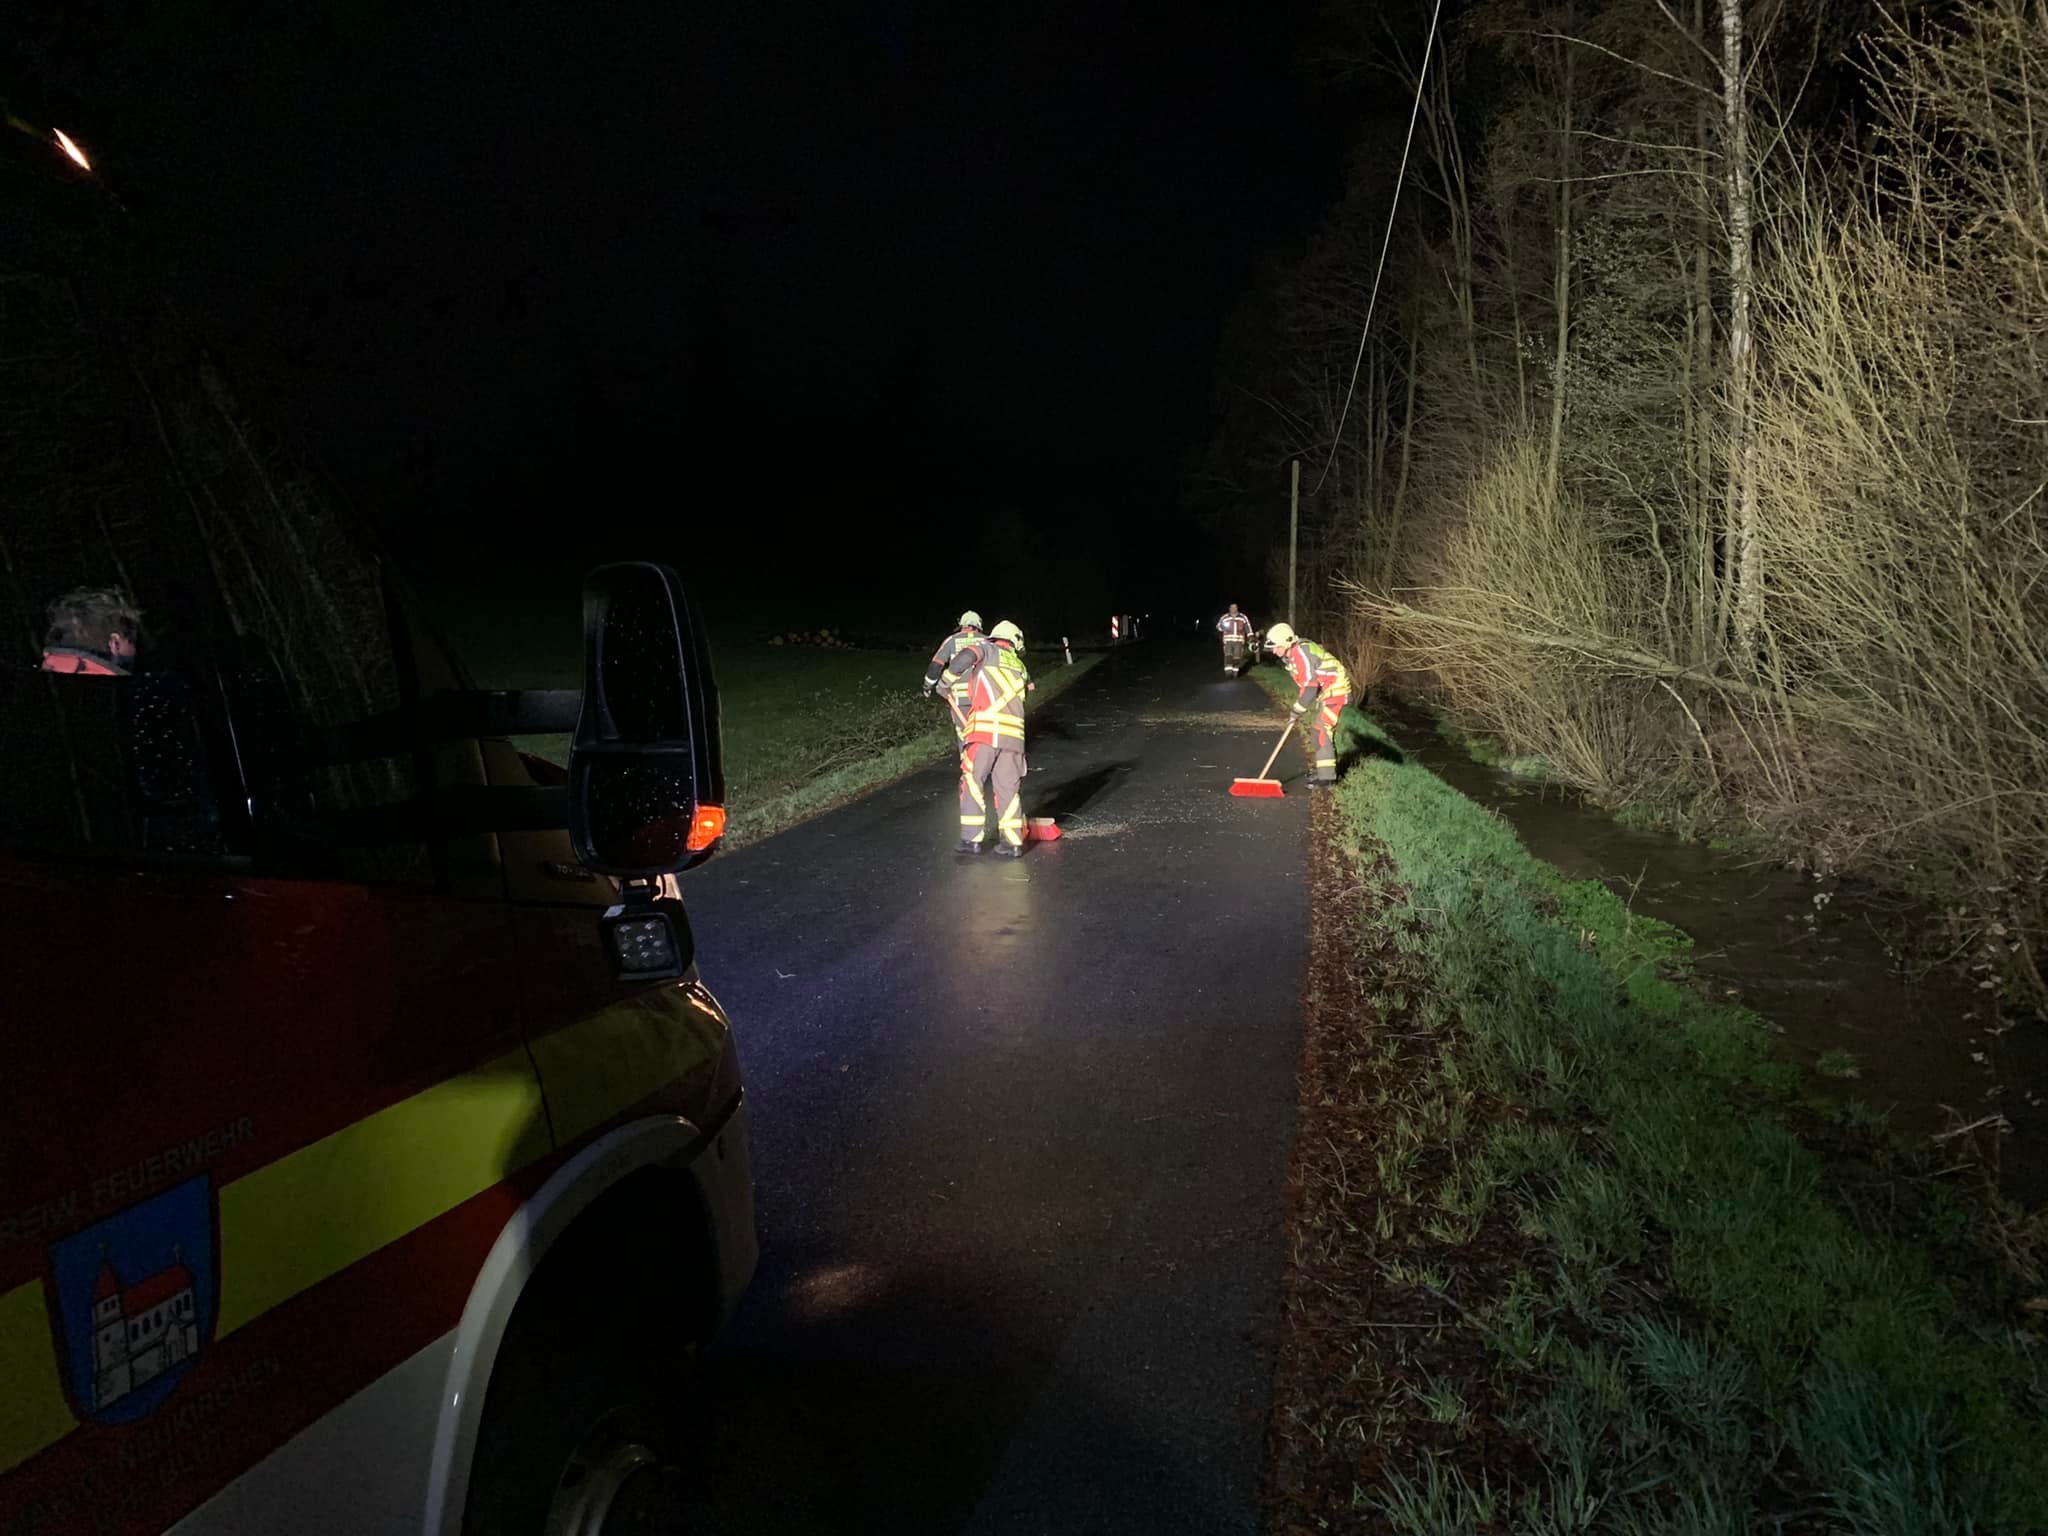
(579, 1433)
(616, 1480)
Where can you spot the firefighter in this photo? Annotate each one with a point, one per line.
(966, 633)
(1323, 682)
(1236, 630)
(992, 764)
(93, 630)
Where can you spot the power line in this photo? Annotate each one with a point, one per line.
(1421, 78)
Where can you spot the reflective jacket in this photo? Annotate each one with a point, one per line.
(1235, 626)
(1316, 671)
(998, 680)
(943, 657)
(64, 658)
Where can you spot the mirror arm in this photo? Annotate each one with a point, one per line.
(459, 809)
(442, 717)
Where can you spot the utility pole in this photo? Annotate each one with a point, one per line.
(1293, 529)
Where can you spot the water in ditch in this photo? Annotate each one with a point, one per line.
(1811, 956)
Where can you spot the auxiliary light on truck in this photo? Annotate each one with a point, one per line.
(645, 942)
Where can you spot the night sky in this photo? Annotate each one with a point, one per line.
(847, 303)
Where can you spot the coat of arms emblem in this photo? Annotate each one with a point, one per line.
(136, 1302)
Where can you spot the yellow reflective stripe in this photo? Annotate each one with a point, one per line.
(309, 1215)
(291, 1224)
(603, 1066)
(33, 1409)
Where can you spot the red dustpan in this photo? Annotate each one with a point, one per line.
(1263, 788)
(1041, 829)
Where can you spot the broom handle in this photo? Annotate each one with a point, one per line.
(1285, 731)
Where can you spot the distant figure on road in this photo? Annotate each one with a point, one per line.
(1236, 630)
(93, 630)
(992, 763)
(967, 633)
(1319, 676)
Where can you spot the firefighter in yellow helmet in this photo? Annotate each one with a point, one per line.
(1324, 683)
(965, 633)
(992, 762)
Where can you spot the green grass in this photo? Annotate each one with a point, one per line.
(806, 729)
(1698, 1307)
(809, 730)
(1838, 1062)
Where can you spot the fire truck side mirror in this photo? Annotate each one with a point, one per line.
(646, 769)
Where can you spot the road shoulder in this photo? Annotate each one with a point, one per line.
(1566, 1249)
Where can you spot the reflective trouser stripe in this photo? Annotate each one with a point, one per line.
(1001, 769)
(1326, 731)
(1006, 778)
(973, 806)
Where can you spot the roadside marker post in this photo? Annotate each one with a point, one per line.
(1067, 647)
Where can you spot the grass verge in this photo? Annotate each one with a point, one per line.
(806, 729)
(1565, 1255)
(846, 723)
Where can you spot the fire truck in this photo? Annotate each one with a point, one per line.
(372, 1153)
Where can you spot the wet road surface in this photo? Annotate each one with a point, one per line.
(1019, 1132)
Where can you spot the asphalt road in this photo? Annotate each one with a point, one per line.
(1019, 1131)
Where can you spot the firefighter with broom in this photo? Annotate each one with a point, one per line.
(992, 763)
(1324, 685)
(966, 633)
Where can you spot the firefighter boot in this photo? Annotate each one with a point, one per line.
(967, 845)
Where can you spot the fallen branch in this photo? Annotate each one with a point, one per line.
(1611, 653)
(1665, 684)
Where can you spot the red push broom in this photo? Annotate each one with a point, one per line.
(1263, 787)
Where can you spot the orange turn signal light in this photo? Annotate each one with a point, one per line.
(706, 827)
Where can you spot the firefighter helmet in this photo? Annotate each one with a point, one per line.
(1005, 630)
(1280, 636)
(970, 620)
